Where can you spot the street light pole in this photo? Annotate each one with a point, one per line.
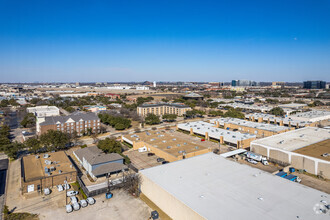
(66, 190)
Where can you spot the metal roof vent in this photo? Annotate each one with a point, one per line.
(168, 147)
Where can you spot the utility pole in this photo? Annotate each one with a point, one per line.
(66, 190)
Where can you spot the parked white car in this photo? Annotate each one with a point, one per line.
(46, 191)
(83, 203)
(90, 200)
(68, 208)
(66, 186)
(60, 188)
(71, 193)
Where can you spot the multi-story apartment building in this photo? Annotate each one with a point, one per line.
(76, 122)
(162, 109)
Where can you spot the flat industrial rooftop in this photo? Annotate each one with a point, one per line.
(316, 150)
(200, 127)
(167, 142)
(296, 139)
(34, 168)
(217, 188)
(250, 124)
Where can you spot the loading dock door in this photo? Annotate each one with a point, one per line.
(30, 188)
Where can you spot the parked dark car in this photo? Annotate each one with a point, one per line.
(165, 162)
(150, 154)
(160, 159)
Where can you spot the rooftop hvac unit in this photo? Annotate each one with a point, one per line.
(37, 156)
(60, 171)
(46, 155)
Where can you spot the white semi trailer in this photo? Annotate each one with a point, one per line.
(257, 157)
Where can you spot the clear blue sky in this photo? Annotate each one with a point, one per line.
(98, 41)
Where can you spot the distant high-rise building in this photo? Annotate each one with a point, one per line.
(154, 84)
(243, 83)
(277, 85)
(77, 84)
(314, 84)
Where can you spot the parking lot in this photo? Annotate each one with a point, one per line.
(121, 206)
(141, 160)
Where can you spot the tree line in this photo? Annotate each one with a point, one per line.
(118, 122)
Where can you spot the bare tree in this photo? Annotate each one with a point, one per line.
(95, 139)
(132, 183)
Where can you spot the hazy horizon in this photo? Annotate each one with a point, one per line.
(103, 41)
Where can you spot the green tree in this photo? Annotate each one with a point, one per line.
(234, 113)
(215, 113)
(152, 119)
(272, 101)
(277, 111)
(110, 145)
(141, 100)
(170, 117)
(119, 126)
(33, 144)
(4, 103)
(13, 102)
(69, 109)
(13, 149)
(29, 120)
(54, 140)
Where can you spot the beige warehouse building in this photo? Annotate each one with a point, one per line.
(165, 145)
(211, 187)
(304, 148)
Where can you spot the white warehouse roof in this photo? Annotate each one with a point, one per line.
(261, 126)
(217, 188)
(201, 127)
(295, 139)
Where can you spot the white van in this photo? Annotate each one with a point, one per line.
(46, 191)
(76, 206)
(60, 188)
(73, 199)
(83, 203)
(68, 208)
(90, 200)
(71, 193)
